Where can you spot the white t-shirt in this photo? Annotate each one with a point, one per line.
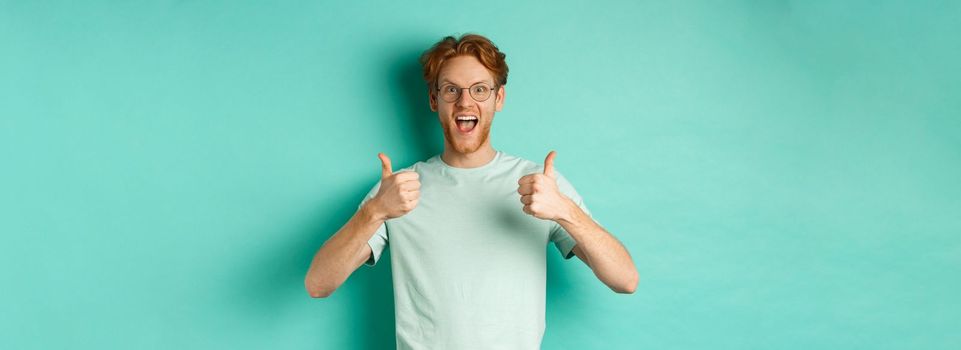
(469, 266)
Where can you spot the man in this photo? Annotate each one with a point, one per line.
(468, 228)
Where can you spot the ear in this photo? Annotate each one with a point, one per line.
(499, 103)
(432, 99)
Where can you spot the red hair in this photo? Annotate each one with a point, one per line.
(470, 45)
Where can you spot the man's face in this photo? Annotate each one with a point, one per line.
(464, 72)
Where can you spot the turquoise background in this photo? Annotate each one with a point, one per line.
(784, 173)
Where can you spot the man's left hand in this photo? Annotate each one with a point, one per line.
(540, 195)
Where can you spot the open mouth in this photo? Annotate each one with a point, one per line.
(466, 123)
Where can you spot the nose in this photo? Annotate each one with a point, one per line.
(465, 99)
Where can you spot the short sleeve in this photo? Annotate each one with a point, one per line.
(561, 238)
(378, 241)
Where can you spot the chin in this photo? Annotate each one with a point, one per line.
(466, 149)
(463, 147)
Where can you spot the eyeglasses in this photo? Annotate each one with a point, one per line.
(480, 92)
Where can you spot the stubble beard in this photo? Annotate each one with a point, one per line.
(463, 147)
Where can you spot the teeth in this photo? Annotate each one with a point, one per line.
(467, 117)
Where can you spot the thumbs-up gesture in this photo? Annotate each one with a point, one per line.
(398, 193)
(540, 195)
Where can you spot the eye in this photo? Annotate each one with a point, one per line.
(449, 89)
(480, 89)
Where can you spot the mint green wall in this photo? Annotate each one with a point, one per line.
(785, 173)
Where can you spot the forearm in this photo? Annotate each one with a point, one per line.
(605, 255)
(340, 254)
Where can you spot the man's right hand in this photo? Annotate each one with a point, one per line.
(398, 193)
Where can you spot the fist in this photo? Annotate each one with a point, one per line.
(398, 193)
(539, 193)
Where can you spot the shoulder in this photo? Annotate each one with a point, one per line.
(420, 167)
(519, 164)
(529, 167)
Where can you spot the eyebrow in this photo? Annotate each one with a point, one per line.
(475, 82)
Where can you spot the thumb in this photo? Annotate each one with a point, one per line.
(549, 164)
(385, 165)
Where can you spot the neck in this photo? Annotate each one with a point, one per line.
(468, 160)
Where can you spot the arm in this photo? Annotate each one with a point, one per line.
(347, 249)
(597, 248)
(343, 253)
